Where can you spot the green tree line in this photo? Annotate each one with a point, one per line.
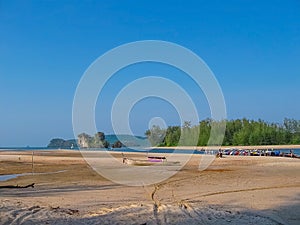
(238, 132)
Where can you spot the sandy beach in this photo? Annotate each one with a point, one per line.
(232, 190)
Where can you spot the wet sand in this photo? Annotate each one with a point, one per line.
(232, 190)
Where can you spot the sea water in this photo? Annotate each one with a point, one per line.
(12, 176)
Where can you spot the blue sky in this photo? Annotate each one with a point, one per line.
(253, 48)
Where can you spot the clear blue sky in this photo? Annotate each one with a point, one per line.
(253, 48)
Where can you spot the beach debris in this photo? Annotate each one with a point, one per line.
(17, 186)
(66, 211)
(150, 161)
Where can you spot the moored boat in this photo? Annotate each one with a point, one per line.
(150, 161)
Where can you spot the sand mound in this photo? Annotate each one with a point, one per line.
(132, 214)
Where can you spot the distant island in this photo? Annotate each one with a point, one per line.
(99, 140)
(61, 143)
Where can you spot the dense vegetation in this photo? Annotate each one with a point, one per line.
(238, 132)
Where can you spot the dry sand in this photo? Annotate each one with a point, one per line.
(233, 190)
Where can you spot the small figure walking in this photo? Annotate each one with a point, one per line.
(220, 154)
(292, 153)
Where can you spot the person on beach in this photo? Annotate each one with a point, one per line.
(220, 154)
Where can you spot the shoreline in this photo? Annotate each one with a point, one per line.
(250, 147)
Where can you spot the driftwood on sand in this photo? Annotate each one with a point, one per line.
(17, 186)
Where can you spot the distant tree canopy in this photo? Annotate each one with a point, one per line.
(238, 132)
(156, 135)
